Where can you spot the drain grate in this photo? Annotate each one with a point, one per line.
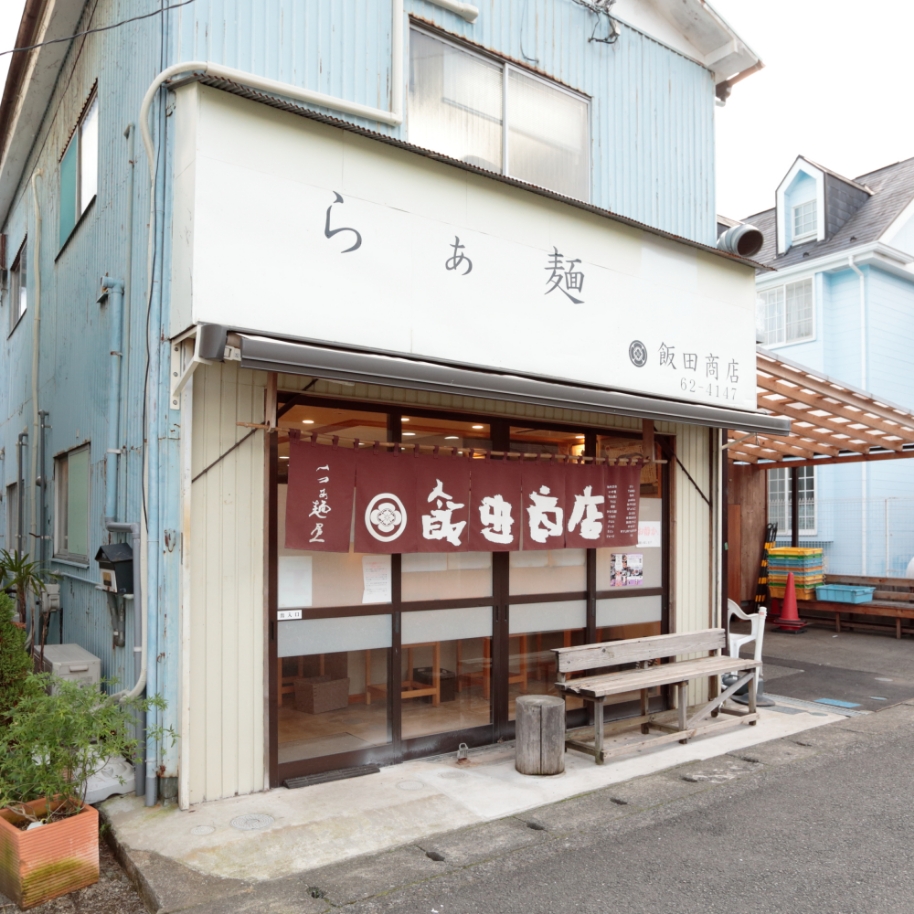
(340, 775)
(251, 822)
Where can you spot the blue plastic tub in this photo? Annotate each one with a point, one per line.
(844, 593)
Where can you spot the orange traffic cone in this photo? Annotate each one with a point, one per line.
(789, 620)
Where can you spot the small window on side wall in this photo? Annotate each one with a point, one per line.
(18, 286)
(71, 531)
(79, 171)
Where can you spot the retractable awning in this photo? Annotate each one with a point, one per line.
(832, 422)
(268, 354)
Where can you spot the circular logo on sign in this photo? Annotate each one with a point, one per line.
(637, 352)
(385, 517)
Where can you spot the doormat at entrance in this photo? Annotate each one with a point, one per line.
(310, 779)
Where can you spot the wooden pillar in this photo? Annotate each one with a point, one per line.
(540, 746)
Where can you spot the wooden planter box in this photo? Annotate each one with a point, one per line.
(45, 862)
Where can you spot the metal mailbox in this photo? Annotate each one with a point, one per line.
(115, 563)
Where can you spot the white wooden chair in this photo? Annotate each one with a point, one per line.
(735, 641)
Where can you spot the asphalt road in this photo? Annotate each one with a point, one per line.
(822, 827)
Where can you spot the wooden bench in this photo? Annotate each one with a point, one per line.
(892, 599)
(656, 665)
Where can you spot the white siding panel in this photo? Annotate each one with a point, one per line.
(690, 599)
(225, 753)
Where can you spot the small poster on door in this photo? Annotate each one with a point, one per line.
(627, 569)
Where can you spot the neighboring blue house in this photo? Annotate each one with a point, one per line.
(842, 303)
(471, 226)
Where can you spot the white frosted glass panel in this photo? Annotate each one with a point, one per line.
(330, 636)
(455, 102)
(568, 558)
(528, 559)
(652, 557)
(561, 615)
(294, 581)
(446, 576)
(468, 561)
(548, 571)
(446, 624)
(548, 136)
(424, 561)
(628, 611)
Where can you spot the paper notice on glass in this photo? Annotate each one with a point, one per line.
(649, 534)
(376, 578)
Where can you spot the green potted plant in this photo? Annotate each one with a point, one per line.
(21, 575)
(50, 745)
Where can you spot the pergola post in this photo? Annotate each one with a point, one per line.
(794, 506)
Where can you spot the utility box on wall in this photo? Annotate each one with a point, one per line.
(72, 662)
(115, 564)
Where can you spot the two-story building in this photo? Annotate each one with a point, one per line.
(465, 257)
(841, 303)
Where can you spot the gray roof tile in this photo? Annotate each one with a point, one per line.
(893, 190)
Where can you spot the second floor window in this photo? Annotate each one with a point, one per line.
(18, 286)
(805, 222)
(491, 114)
(785, 313)
(79, 171)
(71, 533)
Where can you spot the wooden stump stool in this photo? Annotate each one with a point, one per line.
(540, 743)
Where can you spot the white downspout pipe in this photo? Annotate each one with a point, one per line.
(864, 532)
(36, 358)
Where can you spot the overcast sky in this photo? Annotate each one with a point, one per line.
(835, 88)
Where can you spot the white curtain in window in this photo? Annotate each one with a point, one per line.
(88, 156)
(455, 102)
(548, 134)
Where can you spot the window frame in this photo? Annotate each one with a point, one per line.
(12, 517)
(80, 206)
(15, 286)
(62, 552)
(809, 234)
(762, 316)
(507, 65)
(782, 478)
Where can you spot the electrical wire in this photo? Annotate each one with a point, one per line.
(103, 28)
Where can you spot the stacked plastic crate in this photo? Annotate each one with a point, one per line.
(806, 565)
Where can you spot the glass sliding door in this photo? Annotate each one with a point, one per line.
(381, 658)
(446, 670)
(329, 670)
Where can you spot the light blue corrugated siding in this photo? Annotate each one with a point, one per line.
(652, 112)
(74, 328)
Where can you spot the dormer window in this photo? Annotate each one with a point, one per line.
(801, 206)
(805, 223)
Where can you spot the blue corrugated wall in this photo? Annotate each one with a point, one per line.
(652, 114)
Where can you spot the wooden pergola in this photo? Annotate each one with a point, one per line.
(831, 422)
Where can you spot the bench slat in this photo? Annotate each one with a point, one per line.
(666, 674)
(634, 650)
(889, 610)
(866, 581)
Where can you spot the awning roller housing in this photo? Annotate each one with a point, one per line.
(267, 354)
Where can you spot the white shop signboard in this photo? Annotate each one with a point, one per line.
(292, 228)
